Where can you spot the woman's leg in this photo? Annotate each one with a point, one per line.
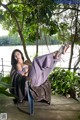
(43, 65)
(41, 68)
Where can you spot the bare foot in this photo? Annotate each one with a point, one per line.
(62, 50)
(66, 47)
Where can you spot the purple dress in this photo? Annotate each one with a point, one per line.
(41, 68)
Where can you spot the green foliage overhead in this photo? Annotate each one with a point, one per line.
(33, 20)
(32, 16)
(27, 15)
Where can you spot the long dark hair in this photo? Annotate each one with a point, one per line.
(13, 60)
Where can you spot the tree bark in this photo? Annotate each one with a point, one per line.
(74, 39)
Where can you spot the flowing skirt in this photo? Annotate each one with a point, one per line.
(41, 68)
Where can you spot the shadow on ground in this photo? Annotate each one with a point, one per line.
(61, 108)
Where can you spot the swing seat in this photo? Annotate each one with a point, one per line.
(20, 84)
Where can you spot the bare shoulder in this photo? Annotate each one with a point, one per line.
(19, 67)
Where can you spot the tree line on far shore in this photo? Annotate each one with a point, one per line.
(15, 40)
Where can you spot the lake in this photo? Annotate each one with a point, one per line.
(6, 51)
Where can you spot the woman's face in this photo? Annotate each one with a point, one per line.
(17, 56)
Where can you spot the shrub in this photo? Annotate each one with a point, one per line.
(5, 85)
(64, 81)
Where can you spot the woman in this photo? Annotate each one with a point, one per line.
(37, 72)
(41, 66)
(17, 62)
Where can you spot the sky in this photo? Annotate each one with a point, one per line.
(3, 32)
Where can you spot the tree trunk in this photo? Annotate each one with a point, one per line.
(19, 30)
(24, 45)
(75, 38)
(77, 62)
(37, 42)
(70, 61)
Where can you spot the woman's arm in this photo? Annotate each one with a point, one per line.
(19, 69)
